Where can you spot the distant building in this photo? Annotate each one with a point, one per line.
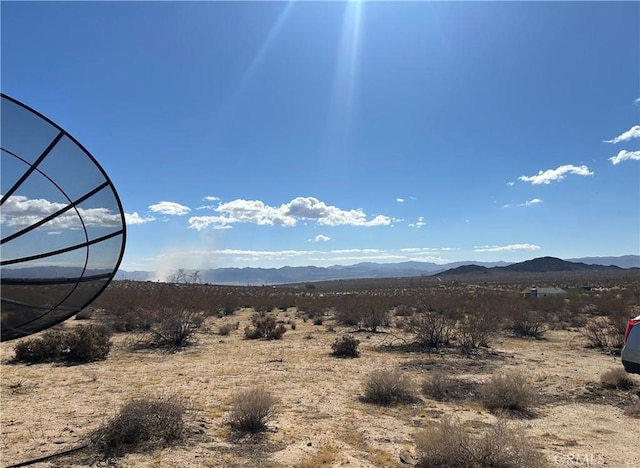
(543, 292)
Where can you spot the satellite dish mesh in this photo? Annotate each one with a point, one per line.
(62, 224)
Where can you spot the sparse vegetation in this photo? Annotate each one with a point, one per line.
(345, 346)
(264, 326)
(252, 410)
(388, 387)
(442, 387)
(508, 392)
(175, 329)
(449, 445)
(617, 379)
(79, 345)
(141, 423)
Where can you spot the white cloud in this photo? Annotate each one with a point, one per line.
(216, 222)
(210, 198)
(633, 132)
(19, 211)
(320, 238)
(400, 200)
(135, 218)
(505, 248)
(418, 224)
(533, 201)
(511, 184)
(288, 214)
(170, 208)
(636, 101)
(625, 155)
(557, 174)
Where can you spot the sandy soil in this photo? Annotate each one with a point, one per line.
(321, 421)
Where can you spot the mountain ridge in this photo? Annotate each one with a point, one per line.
(289, 274)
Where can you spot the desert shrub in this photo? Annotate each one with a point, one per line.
(528, 323)
(475, 330)
(141, 423)
(229, 304)
(79, 345)
(252, 410)
(403, 310)
(87, 344)
(175, 329)
(226, 328)
(387, 388)
(431, 329)
(508, 392)
(617, 379)
(348, 311)
(448, 445)
(632, 411)
(601, 333)
(84, 314)
(375, 314)
(346, 346)
(442, 387)
(264, 326)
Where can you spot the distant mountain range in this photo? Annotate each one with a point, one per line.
(259, 276)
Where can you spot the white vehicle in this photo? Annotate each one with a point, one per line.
(631, 350)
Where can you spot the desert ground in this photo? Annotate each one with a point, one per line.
(321, 419)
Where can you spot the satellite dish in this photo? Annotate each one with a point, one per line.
(62, 225)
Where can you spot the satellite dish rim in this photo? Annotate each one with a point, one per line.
(109, 184)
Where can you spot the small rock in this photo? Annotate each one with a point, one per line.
(309, 444)
(406, 458)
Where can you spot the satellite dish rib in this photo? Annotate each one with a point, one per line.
(63, 229)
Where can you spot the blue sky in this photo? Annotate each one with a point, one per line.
(297, 133)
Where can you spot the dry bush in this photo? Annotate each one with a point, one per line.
(346, 346)
(79, 345)
(448, 445)
(387, 388)
(226, 328)
(508, 392)
(264, 326)
(175, 329)
(252, 410)
(476, 329)
(617, 379)
(601, 333)
(632, 411)
(143, 423)
(442, 387)
(431, 329)
(528, 323)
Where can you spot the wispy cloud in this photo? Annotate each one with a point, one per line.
(505, 248)
(135, 218)
(636, 101)
(320, 238)
(633, 132)
(625, 155)
(418, 224)
(533, 201)
(510, 184)
(170, 208)
(211, 198)
(287, 214)
(400, 200)
(557, 174)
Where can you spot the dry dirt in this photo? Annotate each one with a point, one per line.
(321, 421)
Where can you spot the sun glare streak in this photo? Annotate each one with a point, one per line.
(343, 99)
(227, 108)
